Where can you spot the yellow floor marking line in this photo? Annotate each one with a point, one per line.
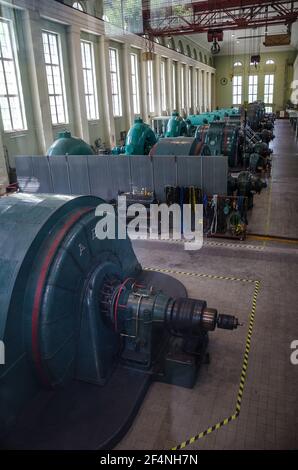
(191, 274)
(273, 238)
(212, 243)
(243, 375)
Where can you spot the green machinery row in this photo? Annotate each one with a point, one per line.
(216, 133)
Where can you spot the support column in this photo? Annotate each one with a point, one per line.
(143, 89)
(186, 88)
(213, 97)
(38, 79)
(78, 91)
(194, 90)
(203, 91)
(156, 85)
(3, 169)
(209, 92)
(105, 80)
(127, 86)
(206, 90)
(178, 86)
(169, 85)
(199, 85)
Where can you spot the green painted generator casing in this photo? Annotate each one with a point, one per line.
(66, 144)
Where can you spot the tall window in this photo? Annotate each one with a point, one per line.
(78, 6)
(268, 88)
(252, 88)
(11, 94)
(163, 86)
(182, 86)
(55, 77)
(150, 86)
(87, 49)
(174, 84)
(115, 82)
(135, 83)
(237, 89)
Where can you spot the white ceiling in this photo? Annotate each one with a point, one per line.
(231, 45)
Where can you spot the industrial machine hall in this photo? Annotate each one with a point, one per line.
(148, 228)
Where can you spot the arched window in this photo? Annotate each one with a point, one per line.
(188, 51)
(201, 57)
(180, 47)
(205, 59)
(269, 62)
(171, 44)
(195, 55)
(78, 6)
(238, 64)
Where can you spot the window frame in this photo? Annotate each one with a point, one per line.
(268, 94)
(238, 86)
(17, 76)
(92, 72)
(60, 67)
(134, 74)
(118, 95)
(253, 86)
(76, 8)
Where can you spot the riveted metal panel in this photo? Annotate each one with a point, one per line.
(60, 175)
(141, 170)
(99, 176)
(119, 174)
(79, 174)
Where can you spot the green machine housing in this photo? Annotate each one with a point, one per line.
(139, 141)
(85, 329)
(66, 144)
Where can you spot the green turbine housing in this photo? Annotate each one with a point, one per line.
(66, 144)
(140, 139)
(176, 126)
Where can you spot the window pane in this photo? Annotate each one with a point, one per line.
(115, 82)
(55, 78)
(237, 89)
(12, 101)
(135, 83)
(89, 75)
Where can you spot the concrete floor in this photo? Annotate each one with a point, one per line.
(269, 410)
